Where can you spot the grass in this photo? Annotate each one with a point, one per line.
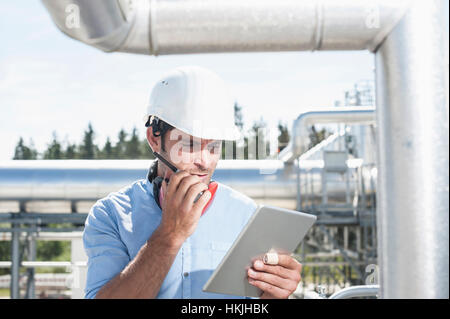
(4, 292)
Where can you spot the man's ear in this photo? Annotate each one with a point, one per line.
(153, 141)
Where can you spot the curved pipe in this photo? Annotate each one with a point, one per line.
(159, 27)
(300, 136)
(356, 291)
(116, 25)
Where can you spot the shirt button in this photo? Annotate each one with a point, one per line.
(186, 274)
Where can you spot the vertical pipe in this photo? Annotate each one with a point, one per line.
(373, 226)
(358, 240)
(365, 243)
(413, 143)
(31, 271)
(324, 191)
(15, 265)
(299, 189)
(311, 190)
(347, 186)
(315, 276)
(346, 237)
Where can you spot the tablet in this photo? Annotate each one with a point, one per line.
(268, 228)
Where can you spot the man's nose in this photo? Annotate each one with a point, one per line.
(203, 158)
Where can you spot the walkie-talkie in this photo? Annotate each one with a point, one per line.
(212, 187)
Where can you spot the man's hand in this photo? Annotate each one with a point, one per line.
(276, 281)
(180, 215)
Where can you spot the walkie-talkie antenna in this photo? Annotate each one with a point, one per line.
(171, 166)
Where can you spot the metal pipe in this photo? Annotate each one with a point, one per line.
(197, 26)
(356, 291)
(31, 292)
(300, 136)
(15, 267)
(49, 185)
(90, 180)
(46, 236)
(39, 229)
(102, 24)
(413, 173)
(44, 264)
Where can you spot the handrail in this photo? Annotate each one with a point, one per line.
(40, 264)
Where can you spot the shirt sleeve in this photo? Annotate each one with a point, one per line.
(107, 254)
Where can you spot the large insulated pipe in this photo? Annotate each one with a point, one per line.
(299, 141)
(60, 181)
(198, 26)
(413, 174)
(79, 180)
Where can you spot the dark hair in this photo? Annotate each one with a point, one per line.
(159, 128)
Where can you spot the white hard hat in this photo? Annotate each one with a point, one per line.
(195, 101)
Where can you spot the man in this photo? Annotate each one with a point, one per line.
(152, 238)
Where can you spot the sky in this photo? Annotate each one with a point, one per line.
(52, 83)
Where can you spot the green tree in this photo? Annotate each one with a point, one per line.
(48, 250)
(23, 152)
(238, 117)
(132, 149)
(54, 149)
(239, 122)
(53, 251)
(5, 254)
(315, 137)
(121, 146)
(146, 152)
(88, 148)
(71, 151)
(108, 150)
(283, 136)
(257, 145)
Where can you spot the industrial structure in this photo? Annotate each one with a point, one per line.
(387, 208)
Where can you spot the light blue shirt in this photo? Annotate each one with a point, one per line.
(120, 224)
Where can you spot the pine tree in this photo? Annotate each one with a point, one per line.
(257, 146)
(238, 117)
(54, 149)
(20, 150)
(23, 152)
(71, 151)
(132, 149)
(34, 154)
(146, 152)
(239, 122)
(120, 148)
(87, 148)
(283, 137)
(315, 137)
(108, 150)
